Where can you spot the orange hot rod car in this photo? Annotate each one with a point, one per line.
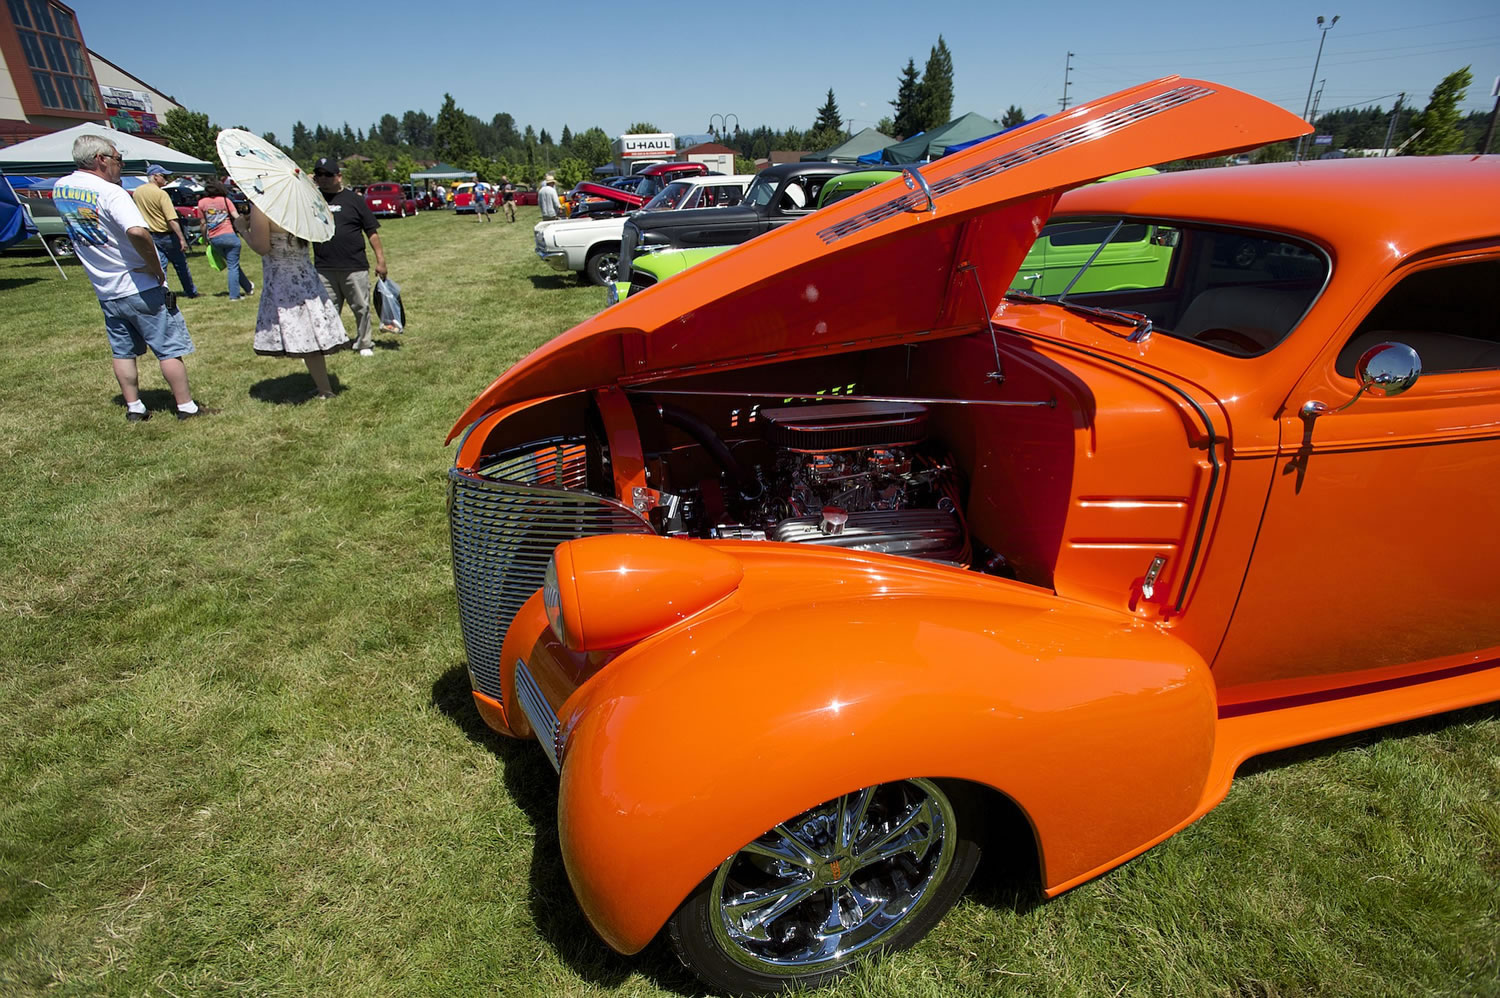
(810, 566)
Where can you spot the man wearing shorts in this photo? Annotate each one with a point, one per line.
(508, 198)
(114, 245)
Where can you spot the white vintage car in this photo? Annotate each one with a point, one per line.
(591, 246)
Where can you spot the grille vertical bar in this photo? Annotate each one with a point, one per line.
(504, 521)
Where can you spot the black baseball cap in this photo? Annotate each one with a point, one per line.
(328, 166)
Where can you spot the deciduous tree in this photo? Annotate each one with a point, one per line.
(642, 128)
(592, 147)
(190, 132)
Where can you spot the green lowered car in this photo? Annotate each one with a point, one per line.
(1136, 256)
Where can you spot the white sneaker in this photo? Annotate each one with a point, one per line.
(367, 352)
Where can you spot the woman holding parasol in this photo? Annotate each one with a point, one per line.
(296, 317)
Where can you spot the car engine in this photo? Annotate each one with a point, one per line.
(847, 474)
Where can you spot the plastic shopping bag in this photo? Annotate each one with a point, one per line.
(214, 260)
(388, 304)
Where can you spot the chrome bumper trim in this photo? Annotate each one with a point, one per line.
(543, 721)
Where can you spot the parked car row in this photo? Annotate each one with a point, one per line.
(589, 242)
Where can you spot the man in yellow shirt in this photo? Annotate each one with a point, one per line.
(166, 232)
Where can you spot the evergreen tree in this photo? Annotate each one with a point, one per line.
(566, 142)
(544, 138)
(828, 115)
(451, 140)
(1013, 116)
(271, 138)
(416, 129)
(190, 132)
(935, 92)
(907, 121)
(390, 130)
(886, 126)
(1440, 123)
(301, 141)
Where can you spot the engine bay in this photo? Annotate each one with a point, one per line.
(854, 474)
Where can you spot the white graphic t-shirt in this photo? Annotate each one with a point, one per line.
(98, 213)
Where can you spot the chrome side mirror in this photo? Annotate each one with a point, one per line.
(1385, 371)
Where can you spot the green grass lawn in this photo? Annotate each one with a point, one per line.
(238, 753)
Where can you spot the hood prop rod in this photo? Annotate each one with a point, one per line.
(998, 374)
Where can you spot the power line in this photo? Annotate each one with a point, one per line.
(1299, 40)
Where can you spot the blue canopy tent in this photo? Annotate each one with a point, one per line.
(16, 224)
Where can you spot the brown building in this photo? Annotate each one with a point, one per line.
(50, 80)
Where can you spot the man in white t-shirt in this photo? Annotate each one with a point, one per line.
(114, 245)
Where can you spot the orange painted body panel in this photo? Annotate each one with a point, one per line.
(1316, 578)
(883, 668)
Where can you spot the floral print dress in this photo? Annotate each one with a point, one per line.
(296, 315)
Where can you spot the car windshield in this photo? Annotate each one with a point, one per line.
(762, 189)
(1236, 291)
(671, 196)
(383, 189)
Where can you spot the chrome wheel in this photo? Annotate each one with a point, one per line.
(815, 892)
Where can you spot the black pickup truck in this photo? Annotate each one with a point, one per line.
(779, 194)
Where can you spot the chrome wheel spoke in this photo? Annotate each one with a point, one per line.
(752, 912)
(852, 811)
(909, 835)
(787, 847)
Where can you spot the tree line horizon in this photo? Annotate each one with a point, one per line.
(397, 147)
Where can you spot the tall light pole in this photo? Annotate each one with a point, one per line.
(1323, 30)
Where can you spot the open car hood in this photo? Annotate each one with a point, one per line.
(602, 192)
(890, 264)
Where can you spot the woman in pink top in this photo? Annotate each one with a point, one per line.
(219, 216)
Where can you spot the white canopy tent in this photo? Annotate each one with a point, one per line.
(52, 155)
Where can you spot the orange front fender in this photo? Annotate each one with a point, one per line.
(696, 741)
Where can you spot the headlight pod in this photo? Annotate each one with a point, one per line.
(613, 590)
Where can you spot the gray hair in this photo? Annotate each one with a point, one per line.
(89, 146)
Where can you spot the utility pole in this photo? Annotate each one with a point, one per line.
(1323, 30)
(1391, 128)
(1067, 73)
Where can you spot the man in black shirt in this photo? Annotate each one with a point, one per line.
(341, 261)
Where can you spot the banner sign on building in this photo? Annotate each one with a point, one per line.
(130, 110)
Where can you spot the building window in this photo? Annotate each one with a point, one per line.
(54, 52)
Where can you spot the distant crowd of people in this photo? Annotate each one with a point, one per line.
(125, 242)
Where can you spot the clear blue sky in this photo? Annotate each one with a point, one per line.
(267, 65)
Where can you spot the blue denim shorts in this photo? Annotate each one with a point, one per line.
(136, 322)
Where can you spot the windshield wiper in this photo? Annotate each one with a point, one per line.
(1139, 322)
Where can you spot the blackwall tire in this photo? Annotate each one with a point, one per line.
(602, 265)
(825, 899)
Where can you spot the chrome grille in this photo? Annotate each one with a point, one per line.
(504, 521)
(1112, 122)
(538, 712)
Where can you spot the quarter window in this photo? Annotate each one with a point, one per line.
(1449, 315)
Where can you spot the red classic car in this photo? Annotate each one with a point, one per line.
(591, 200)
(470, 197)
(388, 199)
(833, 558)
(420, 198)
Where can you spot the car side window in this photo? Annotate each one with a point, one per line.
(1450, 315)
